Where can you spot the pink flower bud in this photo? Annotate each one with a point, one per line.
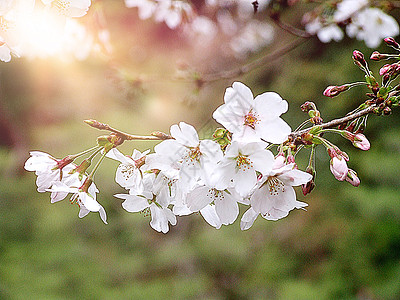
(309, 186)
(386, 68)
(391, 42)
(359, 57)
(377, 56)
(332, 91)
(352, 178)
(361, 142)
(339, 168)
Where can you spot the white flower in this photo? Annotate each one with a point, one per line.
(84, 195)
(239, 165)
(146, 7)
(48, 169)
(5, 53)
(252, 119)
(187, 154)
(160, 213)
(372, 25)
(225, 201)
(69, 8)
(347, 8)
(276, 197)
(252, 37)
(172, 12)
(128, 173)
(325, 33)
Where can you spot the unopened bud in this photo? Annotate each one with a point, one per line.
(387, 111)
(378, 56)
(385, 69)
(307, 106)
(391, 42)
(339, 168)
(352, 178)
(359, 57)
(309, 186)
(161, 135)
(360, 141)
(332, 91)
(222, 136)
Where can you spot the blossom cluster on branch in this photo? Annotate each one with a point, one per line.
(186, 175)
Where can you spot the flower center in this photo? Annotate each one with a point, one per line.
(62, 6)
(243, 162)
(192, 155)
(215, 194)
(5, 25)
(127, 171)
(275, 185)
(75, 200)
(251, 119)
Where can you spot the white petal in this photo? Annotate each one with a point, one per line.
(238, 91)
(295, 177)
(133, 203)
(185, 134)
(244, 181)
(270, 105)
(260, 201)
(262, 161)
(210, 215)
(248, 219)
(89, 201)
(274, 131)
(199, 198)
(227, 209)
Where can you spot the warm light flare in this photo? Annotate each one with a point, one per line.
(44, 33)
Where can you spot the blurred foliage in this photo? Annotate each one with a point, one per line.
(345, 246)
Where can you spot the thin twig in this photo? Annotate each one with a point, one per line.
(337, 122)
(292, 30)
(156, 136)
(262, 61)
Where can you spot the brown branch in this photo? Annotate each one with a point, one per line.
(155, 136)
(262, 61)
(292, 30)
(337, 122)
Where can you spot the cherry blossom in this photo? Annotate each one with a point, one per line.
(161, 215)
(252, 119)
(84, 195)
(372, 25)
(187, 154)
(69, 8)
(225, 201)
(239, 165)
(48, 169)
(146, 8)
(325, 33)
(339, 167)
(128, 173)
(275, 196)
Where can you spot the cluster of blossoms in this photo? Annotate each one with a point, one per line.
(186, 175)
(362, 19)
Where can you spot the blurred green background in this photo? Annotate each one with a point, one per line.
(345, 246)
